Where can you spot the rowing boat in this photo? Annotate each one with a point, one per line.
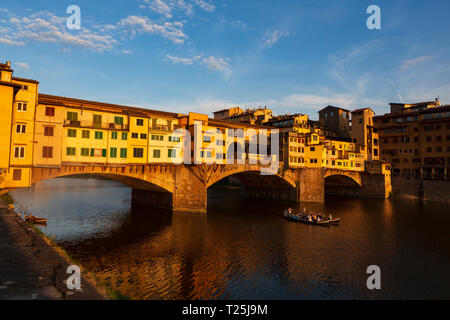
(318, 222)
(35, 220)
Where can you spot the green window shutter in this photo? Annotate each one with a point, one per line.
(114, 135)
(97, 120)
(118, 120)
(124, 135)
(103, 152)
(123, 152)
(92, 152)
(113, 153)
(73, 116)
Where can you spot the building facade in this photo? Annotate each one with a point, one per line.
(415, 138)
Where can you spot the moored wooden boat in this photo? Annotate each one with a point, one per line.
(35, 220)
(303, 220)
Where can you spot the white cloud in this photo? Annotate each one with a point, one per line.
(273, 37)
(11, 42)
(44, 26)
(143, 25)
(217, 64)
(205, 5)
(160, 7)
(23, 65)
(406, 64)
(174, 59)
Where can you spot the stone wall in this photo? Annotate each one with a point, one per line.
(311, 186)
(436, 190)
(428, 190)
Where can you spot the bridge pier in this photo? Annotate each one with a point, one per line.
(189, 194)
(309, 188)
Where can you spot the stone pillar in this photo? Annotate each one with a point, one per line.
(190, 194)
(375, 185)
(311, 185)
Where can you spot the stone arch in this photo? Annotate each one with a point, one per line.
(249, 170)
(137, 177)
(342, 177)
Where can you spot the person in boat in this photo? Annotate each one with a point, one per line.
(330, 217)
(310, 218)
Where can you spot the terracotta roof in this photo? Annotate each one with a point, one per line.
(57, 100)
(10, 84)
(333, 107)
(25, 80)
(362, 109)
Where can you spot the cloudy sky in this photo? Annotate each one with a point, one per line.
(204, 55)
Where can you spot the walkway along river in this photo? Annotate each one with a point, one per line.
(244, 249)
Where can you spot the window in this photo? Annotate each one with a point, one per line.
(134, 135)
(428, 149)
(22, 106)
(438, 149)
(98, 152)
(17, 174)
(97, 120)
(156, 153)
(114, 135)
(85, 134)
(19, 152)
(438, 138)
(172, 153)
(177, 139)
(24, 87)
(70, 151)
(72, 133)
(48, 131)
(85, 152)
(313, 149)
(113, 153)
(143, 136)
(47, 152)
(139, 122)
(124, 135)
(123, 152)
(208, 139)
(157, 137)
(99, 135)
(21, 128)
(118, 120)
(72, 116)
(138, 152)
(49, 111)
(375, 152)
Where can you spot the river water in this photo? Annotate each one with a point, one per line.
(244, 249)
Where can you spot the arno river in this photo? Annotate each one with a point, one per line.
(245, 249)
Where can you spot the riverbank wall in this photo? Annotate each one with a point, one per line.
(31, 268)
(426, 190)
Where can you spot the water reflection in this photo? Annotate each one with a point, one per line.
(244, 249)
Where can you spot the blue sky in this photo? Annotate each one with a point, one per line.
(204, 55)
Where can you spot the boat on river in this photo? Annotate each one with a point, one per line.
(303, 219)
(35, 220)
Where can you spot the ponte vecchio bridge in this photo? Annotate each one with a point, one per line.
(44, 136)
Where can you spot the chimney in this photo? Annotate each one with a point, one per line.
(8, 63)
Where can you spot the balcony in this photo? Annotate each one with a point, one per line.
(92, 125)
(160, 128)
